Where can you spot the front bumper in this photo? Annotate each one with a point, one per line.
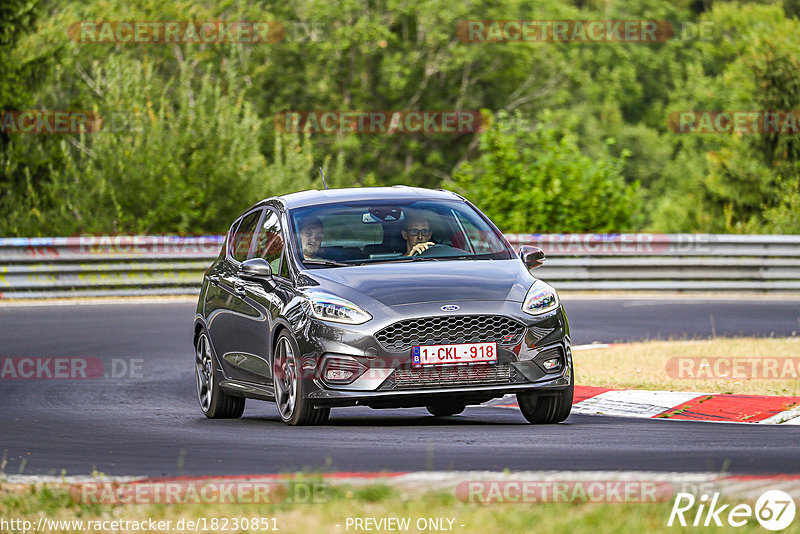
(473, 394)
(387, 378)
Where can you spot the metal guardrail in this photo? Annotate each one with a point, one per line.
(94, 266)
(668, 262)
(97, 266)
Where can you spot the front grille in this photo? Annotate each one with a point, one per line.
(403, 335)
(461, 375)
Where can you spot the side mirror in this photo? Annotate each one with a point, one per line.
(531, 256)
(255, 269)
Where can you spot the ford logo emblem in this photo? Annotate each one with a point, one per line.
(451, 307)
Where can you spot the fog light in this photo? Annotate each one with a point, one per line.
(341, 369)
(338, 374)
(551, 364)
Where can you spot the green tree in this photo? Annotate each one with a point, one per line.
(538, 180)
(746, 182)
(181, 156)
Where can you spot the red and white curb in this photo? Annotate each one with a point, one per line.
(680, 405)
(676, 405)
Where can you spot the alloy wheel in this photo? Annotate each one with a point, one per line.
(285, 379)
(204, 372)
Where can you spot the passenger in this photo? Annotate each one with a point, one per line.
(311, 234)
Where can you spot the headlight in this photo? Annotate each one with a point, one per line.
(541, 298)
(336, 309)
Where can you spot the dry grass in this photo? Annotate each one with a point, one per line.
(654, 365)
(372, 501)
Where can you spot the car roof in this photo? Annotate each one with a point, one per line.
(316, 197)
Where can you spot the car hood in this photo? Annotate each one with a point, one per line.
(395, 284)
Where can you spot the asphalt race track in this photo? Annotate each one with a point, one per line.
(150, 424)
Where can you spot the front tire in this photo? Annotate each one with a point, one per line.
(214, 402)
(293, 407)
(547, 410)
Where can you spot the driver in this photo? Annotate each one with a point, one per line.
(311, 234)
(417, 234)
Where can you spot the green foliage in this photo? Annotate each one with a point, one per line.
(17, 17)
(741, 182)
(202, 145)
(180, 156)
(784, 218)
(538, 180)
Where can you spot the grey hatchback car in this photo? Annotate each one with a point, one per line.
(386, 297)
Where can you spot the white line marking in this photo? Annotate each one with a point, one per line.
(633, 403)
(789, 417)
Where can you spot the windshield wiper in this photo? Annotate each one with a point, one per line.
(329, 263)
(401, 259)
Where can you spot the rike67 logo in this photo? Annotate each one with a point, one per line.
(774, 510)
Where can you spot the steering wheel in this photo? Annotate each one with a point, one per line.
(427, 250)
(441, 250)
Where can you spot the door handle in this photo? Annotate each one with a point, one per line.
(239, 288)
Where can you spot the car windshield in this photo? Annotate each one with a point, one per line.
(371, 232)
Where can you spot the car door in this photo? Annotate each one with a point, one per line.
(230, 327)
(266, 297)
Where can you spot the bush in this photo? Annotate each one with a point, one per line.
(538, 180)
(181, 156)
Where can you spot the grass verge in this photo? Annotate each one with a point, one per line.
(752, 366)
(342, 502)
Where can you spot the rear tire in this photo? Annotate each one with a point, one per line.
(445, 409)
(214, 402)
(293, 407)
(547, 410)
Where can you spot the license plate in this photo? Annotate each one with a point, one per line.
(459, 353)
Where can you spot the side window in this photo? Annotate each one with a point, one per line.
(482, 242)
(229, 238)
(270, 241)
(284, 266)
(240, 244)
